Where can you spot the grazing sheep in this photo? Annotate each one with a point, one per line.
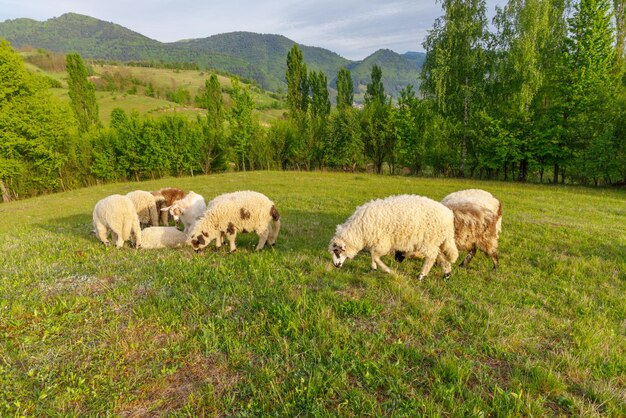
(162, 237)
(227, 214)
(146, 207)
(116, 213)
(477, 222)
(166, 197)
(187, 210)
(405, 223)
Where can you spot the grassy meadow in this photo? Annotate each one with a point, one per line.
(92, 330)
(162, 79)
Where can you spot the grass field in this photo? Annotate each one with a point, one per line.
(91, 330)
(161, 78)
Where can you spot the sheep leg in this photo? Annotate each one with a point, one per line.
(376, 261)
(231, 241)
(494, 256)
(468, 257)
(428, 264)
(118, 238)
(447, 267)
(263, 239)
(219, 241)
(101, 232)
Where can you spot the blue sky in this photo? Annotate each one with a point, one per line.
(353, 29)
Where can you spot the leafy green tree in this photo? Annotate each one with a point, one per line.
(523, 33)
(591, 83)
(378, 135)
(212, 149)
(343, 146)
(319, 110)
(243, 125)
(37, 132)
(82, 93)
(345, 89)
(413, 123)
(454, 71)
(297, 83)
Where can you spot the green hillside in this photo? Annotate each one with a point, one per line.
(259, 57)
(398, 72)
(89, 330)
(126, 87)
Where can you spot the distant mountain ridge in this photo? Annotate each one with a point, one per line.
(261, 57)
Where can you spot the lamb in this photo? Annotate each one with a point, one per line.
(146, 207)
(162, 237)
(405, 223)
(116, 213)
(166, 197)
(187, 210)
(230, 213)
(477, 222)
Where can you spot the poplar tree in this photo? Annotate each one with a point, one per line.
(82, 93)
(345, 89)
(297, 83)
(212, 145)
(378, 138)
(243, 126)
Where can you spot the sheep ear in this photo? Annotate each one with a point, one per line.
(165, 209)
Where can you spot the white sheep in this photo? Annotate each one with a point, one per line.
(477, 222)
(166, 197)
(187, 210)
(146, 207)
(405, 223)
(162, 237)
(230, 213)
(117, 214)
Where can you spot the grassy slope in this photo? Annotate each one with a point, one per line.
(160, 78)
(88, 329)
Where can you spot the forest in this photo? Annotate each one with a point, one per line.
(538, 95)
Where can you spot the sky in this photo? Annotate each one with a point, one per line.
(352, 28)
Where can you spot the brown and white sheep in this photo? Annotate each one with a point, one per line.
(187, 210)
(230, 213)
(166, 197)
(477, 222)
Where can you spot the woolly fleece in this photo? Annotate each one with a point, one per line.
(230, 213)
(162, 237)
(477, 222)
(146, 207)
(116, 213)
(407, 223)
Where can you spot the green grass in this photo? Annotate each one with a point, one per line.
(91, 330)
(161, 78)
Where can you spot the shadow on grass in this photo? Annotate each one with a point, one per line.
(75, 226)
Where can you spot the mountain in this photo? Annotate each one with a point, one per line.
(398, 72)
(261, 57)
(417, 58)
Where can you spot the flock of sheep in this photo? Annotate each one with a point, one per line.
(410, 226)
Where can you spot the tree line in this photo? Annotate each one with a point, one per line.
(541, 97)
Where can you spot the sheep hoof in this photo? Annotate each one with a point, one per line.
(399, 256)
(446, 276)
(420, 277)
